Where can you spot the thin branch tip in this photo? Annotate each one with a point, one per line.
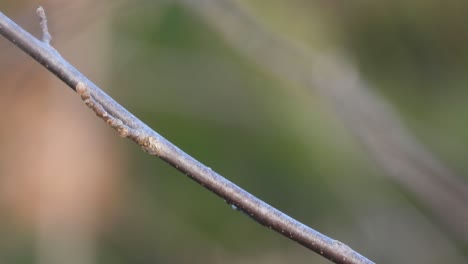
(46, 37)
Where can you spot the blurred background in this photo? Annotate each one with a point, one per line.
(349, 116)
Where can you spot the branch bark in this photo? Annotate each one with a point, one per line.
(129, 126)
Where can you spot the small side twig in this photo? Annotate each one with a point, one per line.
(130, 126)
(46, 37)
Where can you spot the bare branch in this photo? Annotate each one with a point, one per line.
(130, 126)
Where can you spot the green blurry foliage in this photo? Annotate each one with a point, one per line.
(179, 76)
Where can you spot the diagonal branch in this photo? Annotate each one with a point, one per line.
(129, 126)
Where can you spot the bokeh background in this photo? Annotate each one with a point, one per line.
(72, 191)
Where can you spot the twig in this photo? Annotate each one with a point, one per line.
(46, 37)
(130, 126)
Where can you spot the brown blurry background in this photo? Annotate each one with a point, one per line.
(349, 116)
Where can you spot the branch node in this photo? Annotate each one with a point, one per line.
(46, 37)
(148, 143)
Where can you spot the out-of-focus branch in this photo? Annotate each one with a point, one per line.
(366, 114)
(129, 126)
